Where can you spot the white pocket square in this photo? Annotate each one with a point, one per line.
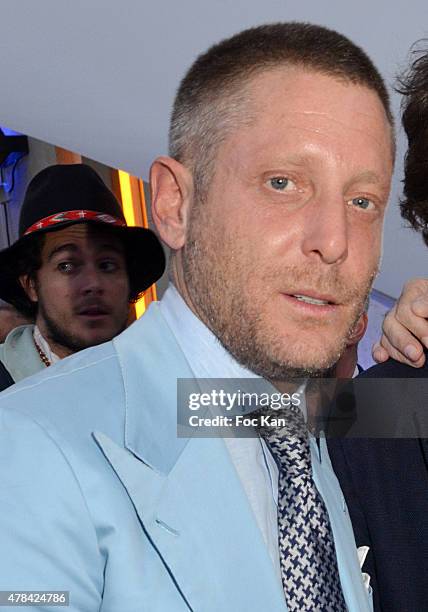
(362, 554)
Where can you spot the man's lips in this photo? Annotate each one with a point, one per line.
(312, 302)
(94, 311)
(314, 297)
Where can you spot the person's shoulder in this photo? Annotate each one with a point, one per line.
(70, 368)
(395, 369)
(77, 389)
(15, 334)
(19, 341)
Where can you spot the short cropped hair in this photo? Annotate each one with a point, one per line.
(210, 101)
(413, 85)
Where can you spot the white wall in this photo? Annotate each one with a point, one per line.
(99, 76)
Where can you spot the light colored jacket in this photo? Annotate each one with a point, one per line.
(99, 496)
(19, 354)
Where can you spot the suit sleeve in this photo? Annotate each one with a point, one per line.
(47, 539)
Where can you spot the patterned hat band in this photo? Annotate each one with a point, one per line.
(74, 215)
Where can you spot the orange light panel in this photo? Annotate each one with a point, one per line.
(126, 193)
(128, 211)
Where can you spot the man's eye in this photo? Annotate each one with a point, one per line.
(281, 183)
(66, 267)
(108, 266)
(363, 203)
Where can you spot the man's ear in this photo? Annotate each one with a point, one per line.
(29, 286)
(359, 330)
(171, 187)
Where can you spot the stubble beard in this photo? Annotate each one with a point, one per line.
(59, 335)
(220, 290)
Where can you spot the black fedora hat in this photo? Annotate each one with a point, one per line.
(62, 195)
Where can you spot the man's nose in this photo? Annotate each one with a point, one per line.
(326, 229)
(92, 281)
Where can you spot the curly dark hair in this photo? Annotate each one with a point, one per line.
(28, 262)
(413, 85)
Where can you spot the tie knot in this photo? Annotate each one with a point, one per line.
(286, 435)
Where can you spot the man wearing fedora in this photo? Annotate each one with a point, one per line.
(75, 268)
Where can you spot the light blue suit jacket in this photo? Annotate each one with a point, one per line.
(99, 497)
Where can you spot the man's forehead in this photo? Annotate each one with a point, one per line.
(80, 235)
(300, 86)
(292, 101)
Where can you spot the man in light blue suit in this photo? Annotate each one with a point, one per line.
(272, 201)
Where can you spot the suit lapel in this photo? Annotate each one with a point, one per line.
(186, 492)
(200, 523)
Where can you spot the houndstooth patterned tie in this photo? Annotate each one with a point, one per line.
(309, 570)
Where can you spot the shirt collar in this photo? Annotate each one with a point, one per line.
(204, 352)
